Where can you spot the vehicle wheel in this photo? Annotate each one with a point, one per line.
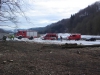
(31, 38)
(77, 39)
(20, 37)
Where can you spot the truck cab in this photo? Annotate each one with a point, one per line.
(50, 36)
(74, 37)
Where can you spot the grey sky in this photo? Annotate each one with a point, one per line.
(44, 12)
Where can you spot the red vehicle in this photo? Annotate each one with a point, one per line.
(74, 37)
(50, 36)
(26, 34)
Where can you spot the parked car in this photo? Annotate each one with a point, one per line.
(50, 36)
(74, 37)
(90, 39)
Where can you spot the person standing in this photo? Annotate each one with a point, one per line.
(61, 38)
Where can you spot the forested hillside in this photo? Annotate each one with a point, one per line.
(86, 21)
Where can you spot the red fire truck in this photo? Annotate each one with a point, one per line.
(50, 36)
(26, 34)
(74, 37)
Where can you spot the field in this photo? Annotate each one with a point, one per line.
(25, 58)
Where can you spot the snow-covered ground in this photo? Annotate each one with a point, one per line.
(80, 42)
(64, 35)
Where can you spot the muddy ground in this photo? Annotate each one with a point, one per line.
(24, 58)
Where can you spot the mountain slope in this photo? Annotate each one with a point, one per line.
(2, 31)
(86, 21)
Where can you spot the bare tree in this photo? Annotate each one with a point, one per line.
(9, 9)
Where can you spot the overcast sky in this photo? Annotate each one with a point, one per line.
(41, 13)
